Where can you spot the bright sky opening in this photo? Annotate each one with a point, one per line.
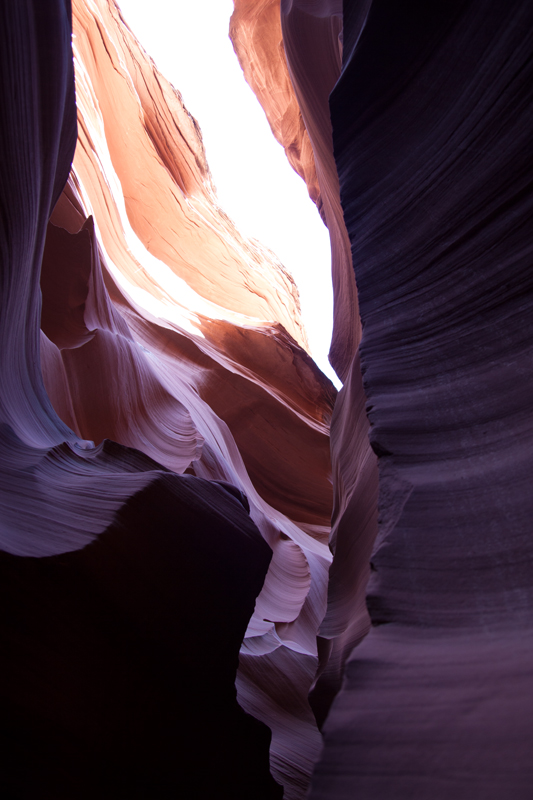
(256, 186)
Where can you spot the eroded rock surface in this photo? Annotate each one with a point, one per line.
(312, 43)
(165, 479)
(431, 119)
(168, 403)
(432, 127)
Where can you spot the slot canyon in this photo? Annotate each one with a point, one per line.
(220, 576)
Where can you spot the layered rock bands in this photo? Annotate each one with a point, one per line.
(164, 457)
(432, 129)
(190, 586)
(428, 128)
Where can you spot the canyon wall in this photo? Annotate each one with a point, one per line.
(428, 126)
(311, 58)
(183, 566)
(165, 472)
(432, 133)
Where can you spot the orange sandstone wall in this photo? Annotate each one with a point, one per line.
(166, 331)
(255, 31)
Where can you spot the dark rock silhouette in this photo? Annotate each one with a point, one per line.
(118, 660)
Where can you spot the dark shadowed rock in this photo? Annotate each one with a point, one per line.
(432, 130)
(118, 661)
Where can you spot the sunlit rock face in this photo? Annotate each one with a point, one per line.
(165, 472)
(292, 60)
(255, 31)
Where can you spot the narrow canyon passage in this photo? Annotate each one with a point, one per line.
(221, 576)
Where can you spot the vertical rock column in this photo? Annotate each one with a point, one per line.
(37, 140)
(312, 38)
(432, 130)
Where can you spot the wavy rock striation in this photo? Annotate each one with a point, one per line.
(311, 40)
(165, 480)
(432, 128)
(431, 120)
(169, 578)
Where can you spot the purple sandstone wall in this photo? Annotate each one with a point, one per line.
(432, 129)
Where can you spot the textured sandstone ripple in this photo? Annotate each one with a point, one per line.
(432, 131)
(169, 344)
